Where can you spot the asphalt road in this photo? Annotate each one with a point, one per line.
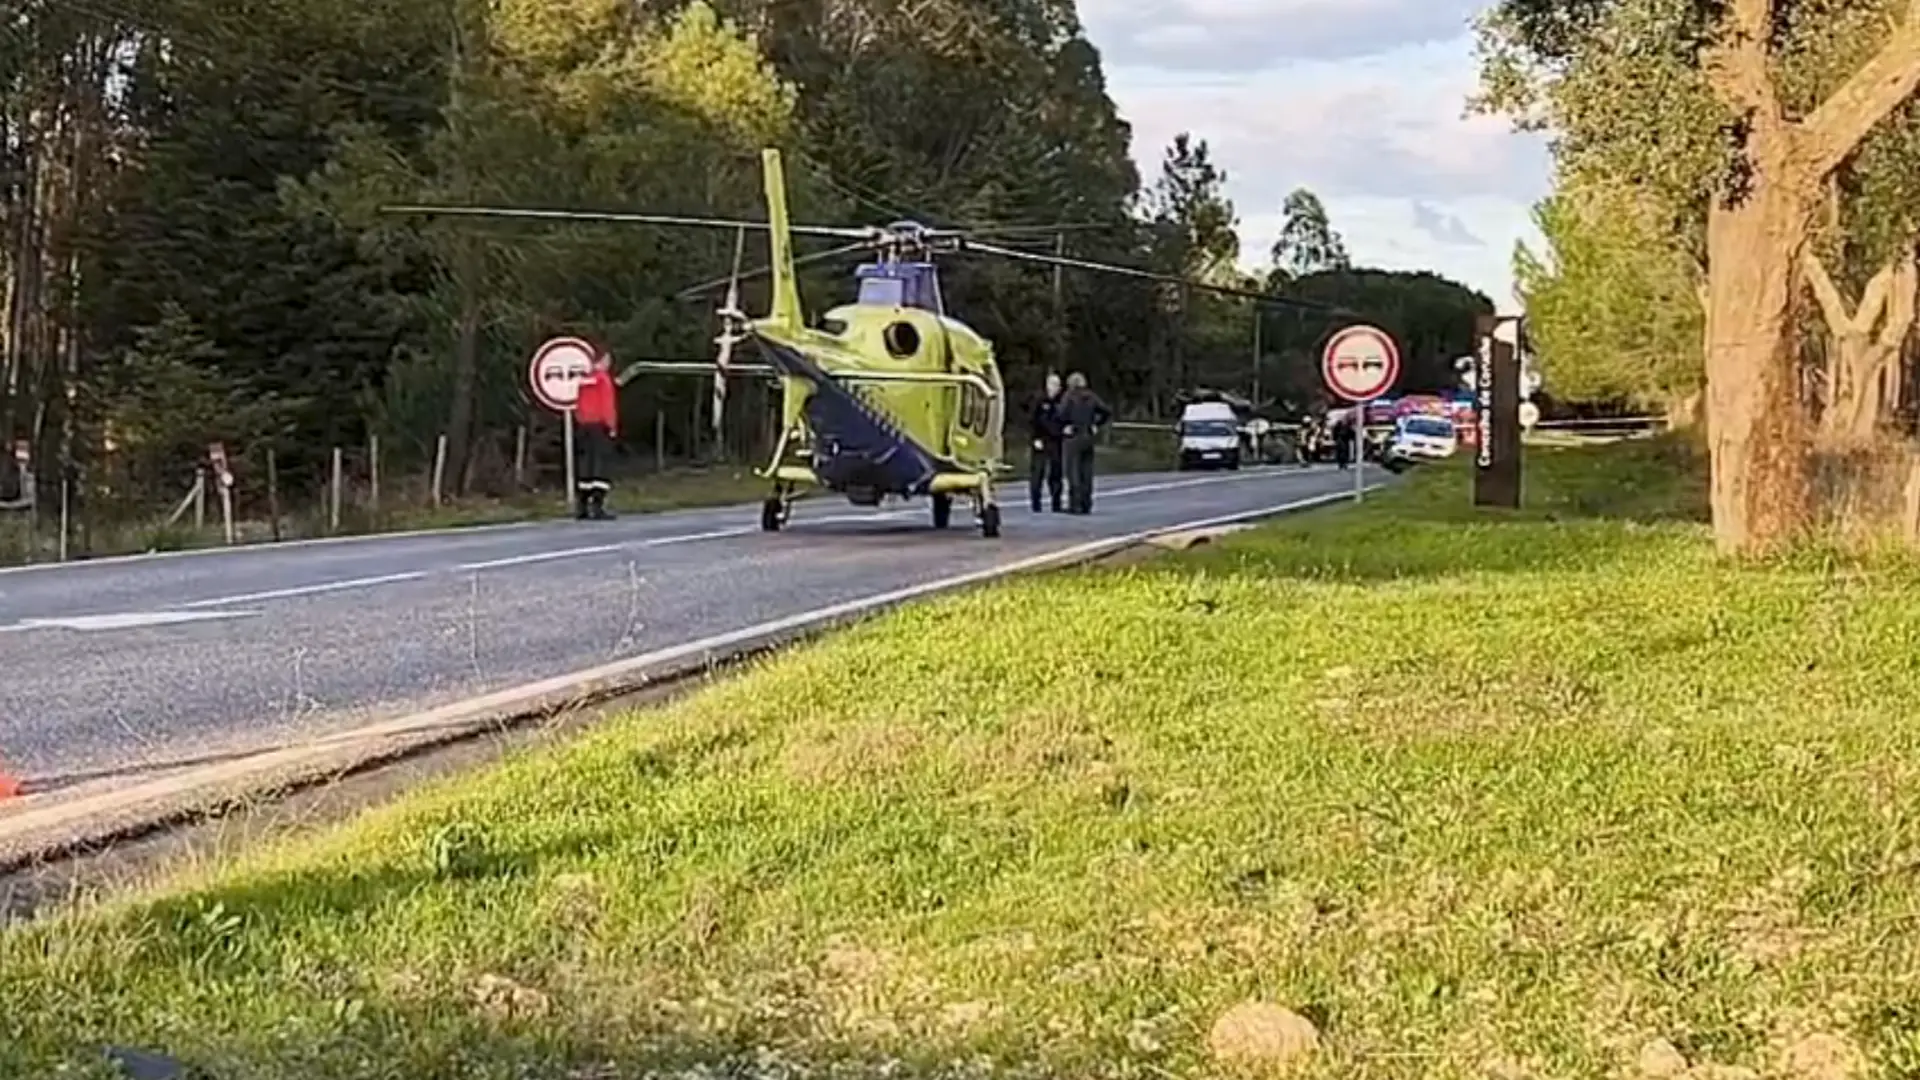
(116, 666)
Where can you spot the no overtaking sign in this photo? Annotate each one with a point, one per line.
(1360, 363)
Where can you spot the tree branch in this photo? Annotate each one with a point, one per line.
(1737, 66)
(1873, 300)
(1903, 301)
(1836, 128)
(1833, 306)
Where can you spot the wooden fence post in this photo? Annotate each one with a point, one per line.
(335, 492)
(273, 492)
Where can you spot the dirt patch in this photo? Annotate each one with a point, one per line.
(1264, 1036)
(853, 755)
(500, 998)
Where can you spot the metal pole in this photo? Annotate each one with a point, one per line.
(334, 494)
(573, 493)
(439, 468)
(200, 500)
(1359, 453)
(373, 473)
(520, 458)
(66, 511)
(273, 491)
(226, 509)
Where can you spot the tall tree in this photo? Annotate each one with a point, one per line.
(1612, 305)
(1307, 243)
(1740, 116)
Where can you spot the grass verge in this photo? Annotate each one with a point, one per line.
(1480, 796)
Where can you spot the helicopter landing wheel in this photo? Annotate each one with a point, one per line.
(774, 513)
(942, 511)
(990, 520)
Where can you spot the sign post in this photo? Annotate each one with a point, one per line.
(1497, 394)
(555, 374)
(1360, 363)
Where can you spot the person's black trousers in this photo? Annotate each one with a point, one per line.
(593, 451)
(1080, 476)
(1046, 471)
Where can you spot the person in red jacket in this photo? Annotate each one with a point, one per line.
(597, 423)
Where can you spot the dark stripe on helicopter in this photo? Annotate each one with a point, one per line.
(857, 450)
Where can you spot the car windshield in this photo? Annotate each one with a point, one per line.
(1210, 428)
(1429, 427)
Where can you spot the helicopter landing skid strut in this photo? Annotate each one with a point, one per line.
(778, 509)
(986, 509)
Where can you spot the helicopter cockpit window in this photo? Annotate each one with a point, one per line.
(902, 340)
(883, 291)
(836, 327)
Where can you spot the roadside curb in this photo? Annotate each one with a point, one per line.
(41, 827)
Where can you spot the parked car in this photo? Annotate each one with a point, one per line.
(1423, 438)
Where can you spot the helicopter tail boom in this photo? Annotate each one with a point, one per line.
(786, 289)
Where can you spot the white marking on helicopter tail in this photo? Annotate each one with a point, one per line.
(305, 590)
(538, 557)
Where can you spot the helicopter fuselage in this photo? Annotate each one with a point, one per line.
(856, 421)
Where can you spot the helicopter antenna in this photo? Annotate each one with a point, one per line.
(730, 319)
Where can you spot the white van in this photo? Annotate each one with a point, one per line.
(1209, 436)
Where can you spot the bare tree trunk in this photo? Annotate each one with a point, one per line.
(1866, 345)
(1757, 419)
(466, 368)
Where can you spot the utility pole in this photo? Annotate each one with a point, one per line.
(1258, 318)
(1061, 344)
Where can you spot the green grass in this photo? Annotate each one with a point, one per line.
(1482, 795)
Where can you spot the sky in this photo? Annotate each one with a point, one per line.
(1362, 101)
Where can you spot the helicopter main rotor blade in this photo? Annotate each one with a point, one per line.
(606, 217)
(694, 291)
(1149, 275)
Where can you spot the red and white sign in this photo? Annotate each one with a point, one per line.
(1360, 363)
(557, 371)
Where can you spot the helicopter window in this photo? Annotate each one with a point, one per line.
(902, 340)
(973, 410)
(836, 327)
(883, 291)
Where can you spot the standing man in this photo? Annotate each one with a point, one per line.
(597, 419)
(1047, 432)
(1082, 415)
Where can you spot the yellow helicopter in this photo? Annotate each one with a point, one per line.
(888, 396)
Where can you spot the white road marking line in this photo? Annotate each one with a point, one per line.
(719, 534)
(536, 557)
(304, 590)
(132, 620)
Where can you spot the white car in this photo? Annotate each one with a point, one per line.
(1424, 438)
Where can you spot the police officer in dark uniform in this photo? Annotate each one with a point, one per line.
(1047, 433)
(1082, 415)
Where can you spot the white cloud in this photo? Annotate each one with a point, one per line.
(1249, 35)
(1376, 126)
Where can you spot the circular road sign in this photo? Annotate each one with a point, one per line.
(1360, 363)
(558, 369)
